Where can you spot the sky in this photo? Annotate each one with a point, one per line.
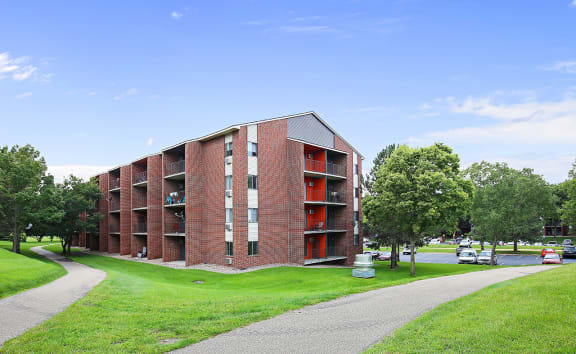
(98, 84)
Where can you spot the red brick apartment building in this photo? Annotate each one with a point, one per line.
(281, 190)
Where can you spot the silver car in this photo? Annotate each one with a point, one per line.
(468, 256)
(484, 257)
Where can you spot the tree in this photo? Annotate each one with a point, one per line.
(48, 216)
(77, 197)
(420, 190)
(380, 230)
(508, 204)
(21, 173)
(569, 206)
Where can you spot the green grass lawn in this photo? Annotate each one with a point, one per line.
(525, 315)
(147, 308)
(19, 272)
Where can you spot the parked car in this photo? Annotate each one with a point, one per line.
(475, 243)
(406, 250)
(567, 242)
(434, 241)
(452, 242)
(552, 258)
(465, 243)
(569, 252)
(538, 244)
(545, 251)
(552, 244)
(468, 256)
(460, 249)
(374, 254)
(484, 257)
(384, 256)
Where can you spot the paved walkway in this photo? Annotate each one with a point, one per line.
(353, 323)
(20, 312)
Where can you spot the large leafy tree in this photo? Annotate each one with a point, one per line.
(21, 175)
(380, 230)
(569, 206)
(508, 204)
(77, 197)
(419, 191)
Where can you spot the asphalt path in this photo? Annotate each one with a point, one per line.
(450, 258)
(20, 312)
(352, 324)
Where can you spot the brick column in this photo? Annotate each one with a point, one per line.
(125, 209)
(194, 202)
(155, 198)
(103, 210)
(295, 188)
(240, 198)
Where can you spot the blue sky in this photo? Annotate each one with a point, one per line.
(496, 80)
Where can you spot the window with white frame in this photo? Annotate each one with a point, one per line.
(229, 248)
(252, 149)
(228, 149)
(252, 182)
(228, 182)
(252, 248)
(229, 215)
(252, 214)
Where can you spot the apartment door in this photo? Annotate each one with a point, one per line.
(330, 245)
(182, 244)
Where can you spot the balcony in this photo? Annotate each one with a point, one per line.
(175, 170)
(325, 197)
(175, 199)
(328, 254)
(140, 179)
(177, 228)
(324, 227)
(331, 169)
(139, 202)
(140, 228)
(115, 206)
(115, 184)
(114, 228)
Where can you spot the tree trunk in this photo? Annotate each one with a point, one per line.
(515, 245)
(412, 259)
(69, 245)
(63, 244)
(397, 253)
(493, 256)
(393, 262)
(482, 245)
(16, 238)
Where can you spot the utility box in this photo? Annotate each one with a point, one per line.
(363, 266)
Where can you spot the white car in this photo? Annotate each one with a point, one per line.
(406, 250)
(484, 257)
(468, 256)
(475, 243)
(434, 241)
(464, 243)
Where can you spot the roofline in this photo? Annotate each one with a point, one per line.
(236, 127)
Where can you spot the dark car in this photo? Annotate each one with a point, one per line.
(569, 252)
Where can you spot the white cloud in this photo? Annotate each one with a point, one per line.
(23, 95)
(16, 68)
(307, 18)
(564, 66)
(525, 122)
(130, 92)
(82, 171)
(176, 15)
(573, 3)
(150, 141)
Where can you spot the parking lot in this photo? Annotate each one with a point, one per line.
(450, 258)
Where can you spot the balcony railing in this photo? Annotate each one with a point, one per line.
(139, 201)
(315, 166)
(326, 196)
(337, 169)
(173, 168)
(326, 226)
(177, 227)
(329, 251)
(114, 228)
(175, 198)
(115, 183)
(329, 167)
(114, 205)
(141, 177)
(140, 228)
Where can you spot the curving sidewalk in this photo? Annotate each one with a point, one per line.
(25, 310)
(353, 323)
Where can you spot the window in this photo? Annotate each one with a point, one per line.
(229, 248)
(228, 148)
(252, 149)
(252, 248)
(229, 215)
(356, 239)
(356, 192)
(252, 214)
(356, 216)
(355, 168)
(252, 182)
(228, 182)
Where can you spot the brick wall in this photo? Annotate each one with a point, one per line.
(195, 202)
(103, 210)
(125, 209)
(295, 198)
(155, 207)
